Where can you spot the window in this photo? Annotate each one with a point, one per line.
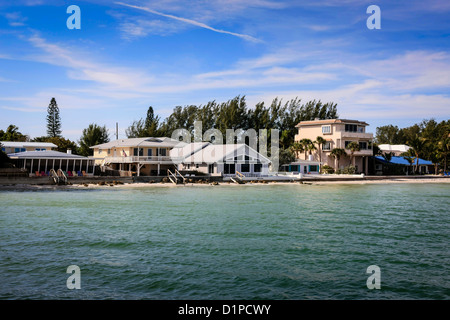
(99, 151)
(313, 168)
(363, 145)
(346, 144)
(211, 168)
(257, 167)
(229, 168)
(149, 152)
(351, 128)
(361, 129)
(245, 167)
(326, 145)
(138, 152)
(109, 151)
(326, 129)
(162, 152)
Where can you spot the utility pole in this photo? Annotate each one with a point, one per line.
(117, 131)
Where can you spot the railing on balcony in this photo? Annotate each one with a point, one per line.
(140, 159)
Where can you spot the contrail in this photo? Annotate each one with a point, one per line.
(193, 22)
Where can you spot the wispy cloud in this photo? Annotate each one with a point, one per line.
(15, 19)
(191, 22)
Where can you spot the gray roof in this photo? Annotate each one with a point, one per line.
(44, 155)
(24, 144)
(141, 142)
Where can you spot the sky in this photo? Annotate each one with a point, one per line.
(132, 54)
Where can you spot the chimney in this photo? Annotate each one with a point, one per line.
(311, 157)
(69, 151)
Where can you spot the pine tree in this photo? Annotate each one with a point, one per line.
(53, 120)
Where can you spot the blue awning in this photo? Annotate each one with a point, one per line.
(403, 161)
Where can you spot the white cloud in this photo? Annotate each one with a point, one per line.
(191, 22)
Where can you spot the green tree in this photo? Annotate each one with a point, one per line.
(338, 153)
(307, 146)
(320, 141)
(297, 148)
(388, 135)
(12, 133)
(53, 119)
(92, 136)
(4, 159)
(353, 147)
(417, 145)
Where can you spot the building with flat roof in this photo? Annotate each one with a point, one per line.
(22, 146)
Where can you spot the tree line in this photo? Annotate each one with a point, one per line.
(427, 140)
(232, 114)
(235, 114)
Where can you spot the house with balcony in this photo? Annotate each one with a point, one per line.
(339, 133)
(137, 156)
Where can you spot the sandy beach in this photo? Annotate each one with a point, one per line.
(111, 185)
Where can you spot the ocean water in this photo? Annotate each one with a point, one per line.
(227, 242)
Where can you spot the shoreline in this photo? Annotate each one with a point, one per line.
(139, 185)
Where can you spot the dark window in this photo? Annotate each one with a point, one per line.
(257, 167)
(313, 168)
(138, 152)
(351, 127)
(363, 145)
(162, 152)
(229, 168)
(245, 167)
(149, 152)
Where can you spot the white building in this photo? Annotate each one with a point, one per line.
(221, 159)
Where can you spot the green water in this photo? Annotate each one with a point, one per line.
(227, 242)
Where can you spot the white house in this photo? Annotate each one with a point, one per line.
(221, 159)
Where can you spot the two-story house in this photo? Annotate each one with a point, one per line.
(339, 133)
(140, 156)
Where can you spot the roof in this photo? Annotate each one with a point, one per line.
(25, 144)
(394, 147)
(44, 155)
(141, 142)
(403, 161)
(213, 153)
(331, 121)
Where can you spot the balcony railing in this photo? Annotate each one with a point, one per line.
(141, 159)
(359, 135)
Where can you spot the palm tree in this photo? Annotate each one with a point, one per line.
(306, 146)
(296, 148)
(417, 145)
(353, 147)
(409, 156)
(337, 153)
(320, 142)
(444, 150)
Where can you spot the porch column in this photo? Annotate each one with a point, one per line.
(31, 168)
(158, 168)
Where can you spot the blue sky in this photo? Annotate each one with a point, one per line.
(129, 55)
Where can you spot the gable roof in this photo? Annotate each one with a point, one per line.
(216, 153)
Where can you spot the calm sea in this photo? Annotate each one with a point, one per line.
(227, 242)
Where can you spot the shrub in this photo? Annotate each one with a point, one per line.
(349, 170)
(327, 169)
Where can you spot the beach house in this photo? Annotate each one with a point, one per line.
(221, 160)
(338, 133)
(137, 156)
